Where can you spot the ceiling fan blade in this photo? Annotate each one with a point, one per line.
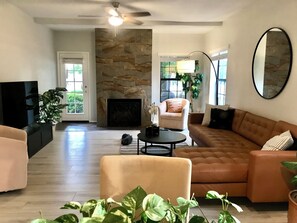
(132, 20)
(137, 14)
(89, 16)
(68, 21)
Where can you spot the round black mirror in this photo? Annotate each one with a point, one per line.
(272, 62)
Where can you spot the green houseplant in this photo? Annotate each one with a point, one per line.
(292, 210)
(139, 207)
(51, 106)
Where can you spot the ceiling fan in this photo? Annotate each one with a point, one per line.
(116, 18)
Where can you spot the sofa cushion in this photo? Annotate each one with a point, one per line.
(219, 137)
(256, 128)
(237, 119)
(216, 165)
(206, 117)
(174, 106)
(221, 119)
(173, 116)
(282, 126)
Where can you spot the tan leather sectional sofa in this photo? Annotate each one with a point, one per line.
(232, 160)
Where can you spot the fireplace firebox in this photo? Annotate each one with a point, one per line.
(123, 112)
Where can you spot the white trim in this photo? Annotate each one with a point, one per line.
(85, 60)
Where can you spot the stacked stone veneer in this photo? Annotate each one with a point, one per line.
(123, 69)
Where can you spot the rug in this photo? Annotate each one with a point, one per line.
(131, 149)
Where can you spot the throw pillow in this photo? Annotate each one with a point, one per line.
(174, 106)
(294, 146)
(221, 119)
(206, 117)
(279, 142)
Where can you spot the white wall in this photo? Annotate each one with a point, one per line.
(173, 44)
(242, 32)
(81, 41)
(26, 49)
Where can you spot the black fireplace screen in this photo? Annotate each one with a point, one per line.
(123, 112)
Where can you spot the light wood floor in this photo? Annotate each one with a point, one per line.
(68, 169)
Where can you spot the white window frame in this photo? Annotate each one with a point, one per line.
(216, 57)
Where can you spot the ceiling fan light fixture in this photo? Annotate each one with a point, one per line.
(115, 20)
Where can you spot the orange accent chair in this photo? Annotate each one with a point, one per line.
(169, 177)
(13, 158)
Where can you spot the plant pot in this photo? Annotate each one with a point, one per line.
(292, 211)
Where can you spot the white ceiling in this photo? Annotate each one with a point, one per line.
(191, 16)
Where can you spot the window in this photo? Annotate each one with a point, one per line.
(220, 62)
(74, 85)
(171, 86)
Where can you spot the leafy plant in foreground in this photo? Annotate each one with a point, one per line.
(139, 207)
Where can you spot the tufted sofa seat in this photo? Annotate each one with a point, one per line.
(233, 162)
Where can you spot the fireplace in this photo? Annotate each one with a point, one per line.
(123, 112)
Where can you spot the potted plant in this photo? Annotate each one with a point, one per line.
(50, 105)
(292, 210)
(191, 83)
(137, 207)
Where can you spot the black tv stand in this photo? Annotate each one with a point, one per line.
(38, 136)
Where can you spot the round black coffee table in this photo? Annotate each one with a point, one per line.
(156, 145)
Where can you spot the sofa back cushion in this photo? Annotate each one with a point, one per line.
(237, 119)
(174, 106)
(256, 128)
(282, 126)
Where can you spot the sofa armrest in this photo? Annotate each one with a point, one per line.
(185, 111)
(195, 118)
(13, 148)
(268, 180)
(162, 108)
(13, 133)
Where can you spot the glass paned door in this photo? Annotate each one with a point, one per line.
(73, 76)
(75, 88)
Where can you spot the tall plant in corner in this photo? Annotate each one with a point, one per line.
(292, 210)
(51, 106)
(191, 83)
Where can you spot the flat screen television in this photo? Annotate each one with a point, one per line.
(19, 106)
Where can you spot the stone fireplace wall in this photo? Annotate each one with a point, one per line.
(123, 69)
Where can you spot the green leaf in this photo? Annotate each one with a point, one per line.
(182, 201)
(72, 205)
(100, 210)
(225, 217)
(88, 208)
(43, 221)
(290, 165)
(237, 207)
(214, 195)
(155, 207)
(117, 215)
(67, 218)
(294, 180)
(133, 200)
(197, 219)
(90, 220)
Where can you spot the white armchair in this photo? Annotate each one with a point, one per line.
(173, 113)
(13, 158)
